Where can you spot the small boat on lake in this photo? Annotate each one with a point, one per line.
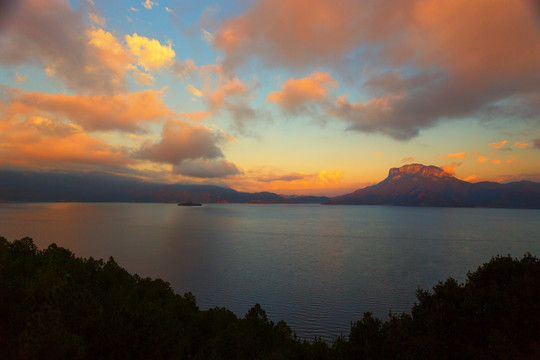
(188, 203)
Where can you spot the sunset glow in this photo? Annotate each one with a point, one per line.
(290, 96)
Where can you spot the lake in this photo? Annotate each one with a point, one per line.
(316, 267)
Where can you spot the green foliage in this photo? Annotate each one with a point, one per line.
(55, 305)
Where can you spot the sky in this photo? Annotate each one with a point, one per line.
(314, 97)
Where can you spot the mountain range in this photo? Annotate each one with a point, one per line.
(409, 185)
(36, 186)
(419, 185)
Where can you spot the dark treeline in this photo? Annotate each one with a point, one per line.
(54, 305)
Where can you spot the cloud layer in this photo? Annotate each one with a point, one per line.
(127, 112)
(451, 59)
(181, 141)
(42, 142)
(297, 95)
(292, 33)
(48, 130)
(59, 39)
(53, 35)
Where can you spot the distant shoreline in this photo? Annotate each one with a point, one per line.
(269, 203)
(410, 185)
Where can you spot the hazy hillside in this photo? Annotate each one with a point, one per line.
(100, 187)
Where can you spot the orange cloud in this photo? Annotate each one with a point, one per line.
(454, 75)
(226, 92)
(196, 116)
(292, 32)
(110, 52)
(148, 4)
(450, 168)
(296, 93)
(113, 51)
(521, 144)
(229, 88)
(181, 141)
(286, 178)
(322, 182)
(481, 159)
(54, 36)
(95, 112)
(192, 89)
(455, 26)
(96, 19)
(300, 180)
(471, 178)
(310, 32)
(84, 58)
(496, 162)
(141, 77)
(374, 116)
(407, 159)
(498, 145)
(150, 53)
(30, 140)
(20, 78)
(41, 142)
(456, 155)
(327, 177)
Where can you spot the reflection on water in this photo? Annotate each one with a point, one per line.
(316, 267)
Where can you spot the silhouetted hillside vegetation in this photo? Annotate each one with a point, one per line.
(54, 305)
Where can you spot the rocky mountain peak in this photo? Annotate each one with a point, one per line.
(419, 170)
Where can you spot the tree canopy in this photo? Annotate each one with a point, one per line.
(56, 305)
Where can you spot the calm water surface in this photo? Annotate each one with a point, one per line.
(316, 267)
